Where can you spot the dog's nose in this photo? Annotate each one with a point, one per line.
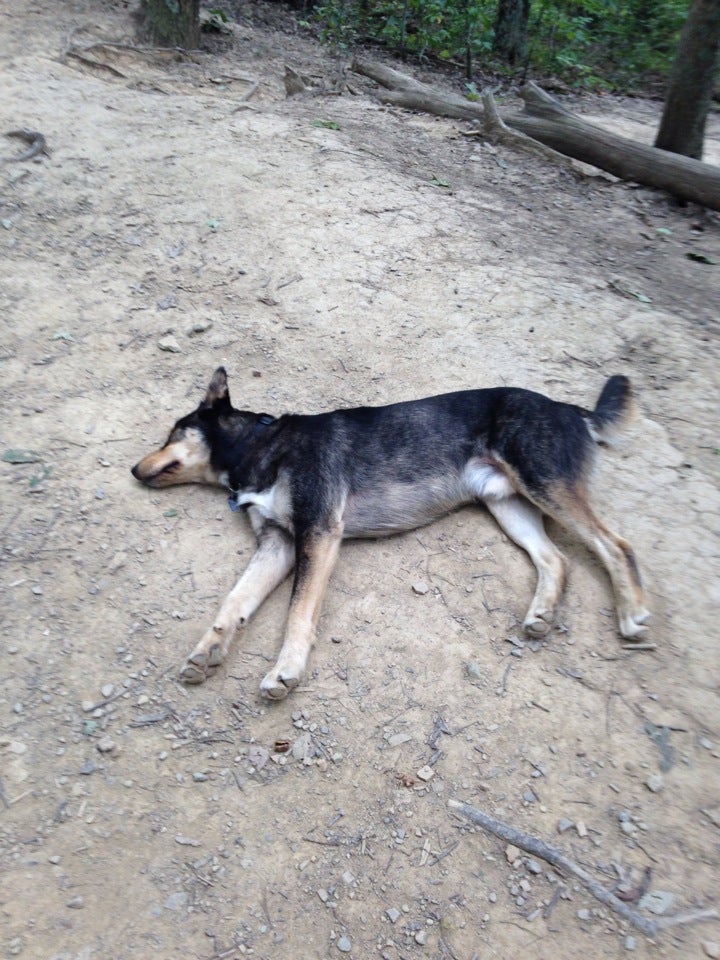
(134, 471)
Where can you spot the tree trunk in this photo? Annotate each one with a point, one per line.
(682, 128)
(545, 120)
(511, 24)
(172, 23)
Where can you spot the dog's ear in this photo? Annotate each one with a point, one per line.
(217, 394)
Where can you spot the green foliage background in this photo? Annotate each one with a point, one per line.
(616, 44)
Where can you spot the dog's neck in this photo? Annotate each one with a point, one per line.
(243, 472)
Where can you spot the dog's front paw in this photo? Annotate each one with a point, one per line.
(201, 665)
(278, 683)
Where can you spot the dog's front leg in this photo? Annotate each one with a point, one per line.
(316, 553)
(270, 564)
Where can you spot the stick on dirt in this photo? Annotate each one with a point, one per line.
(556, 858)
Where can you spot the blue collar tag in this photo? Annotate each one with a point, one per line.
(233, 504)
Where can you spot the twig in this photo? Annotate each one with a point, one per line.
(553, 856)
(36, 141)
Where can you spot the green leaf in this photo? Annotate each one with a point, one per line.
(327, 124)
(172, 512)
(213, 224)
(439, 182)
(21, 456)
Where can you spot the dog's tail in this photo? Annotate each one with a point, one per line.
(613, 410)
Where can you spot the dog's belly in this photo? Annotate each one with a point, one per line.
(389, 508)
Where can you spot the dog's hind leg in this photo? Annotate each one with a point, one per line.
(523, 523)
(270, 564)
(569, 506)
(316, 554)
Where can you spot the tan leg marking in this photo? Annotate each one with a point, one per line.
(572, 510)
(523, 523)
(315, 564)
(270, 564)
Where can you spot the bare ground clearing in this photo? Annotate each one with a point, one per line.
(384, 259)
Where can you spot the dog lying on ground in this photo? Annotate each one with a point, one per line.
(307, 482)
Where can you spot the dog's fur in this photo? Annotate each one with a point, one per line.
(307, 482)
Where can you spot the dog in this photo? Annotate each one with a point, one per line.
(307, 482)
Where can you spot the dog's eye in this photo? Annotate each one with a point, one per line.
(171, 466)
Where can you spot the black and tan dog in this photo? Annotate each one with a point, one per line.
(307, 482)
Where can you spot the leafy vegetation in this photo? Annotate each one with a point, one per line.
(617, 44)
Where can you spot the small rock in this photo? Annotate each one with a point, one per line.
(169, 345)
(426, 773)
(421, 937)
(655, 782)
(76, 903)
(37, 590)
(87, 768)
(657, 901)
(473, 671)
(630, 943)
(421, 588)
(106, 745)
(397, 738)
(564, 824)
(344, 945)
(303, 748)
(323, 894)
(511, 853)
(583, 914)
(168, 302)
(628, 827)
(492, 897)
(176, 900)
(200, 326)
(107, 690)
(393, 915)
(581, 829)
(711, 949)
(199, 777)
(534, 867)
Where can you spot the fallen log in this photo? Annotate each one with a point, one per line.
(548, 122)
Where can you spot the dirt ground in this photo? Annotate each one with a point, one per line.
(331, 251)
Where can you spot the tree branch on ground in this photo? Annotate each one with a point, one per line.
(544, 119)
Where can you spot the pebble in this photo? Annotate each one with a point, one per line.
(200, 777)
(473, 671)
(107, 690)
(564, 824)
(583, 914)
(397, 738)
(392, 914)
(421, 588)
(657, 901)
(426, 773)
(711, 949)
(344, 945)
(492, 898)
(76, 903)
(421, 937)
(630, 943)
(106, 745)
(581, 829)
(655, 782)
(169, 345)
(534, 867)
(37, 590)
(511, 853)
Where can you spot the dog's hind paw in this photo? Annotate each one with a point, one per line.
(278, 684)
(634, 626)
(538, 622)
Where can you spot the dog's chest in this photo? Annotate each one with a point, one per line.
(272, 503)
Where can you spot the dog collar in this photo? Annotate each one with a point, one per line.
(263, 420)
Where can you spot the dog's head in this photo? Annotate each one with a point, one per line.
(190, 455)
